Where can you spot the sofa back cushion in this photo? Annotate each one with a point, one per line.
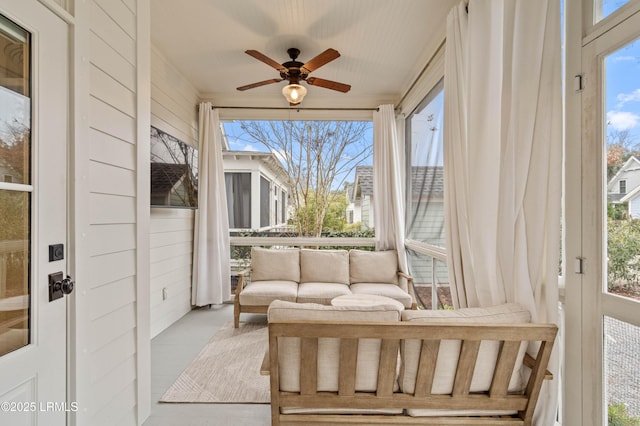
(449, 351)
(329, 348)
(324, 266)
(373, 266)
(275, 265)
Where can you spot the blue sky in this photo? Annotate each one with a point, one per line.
(622, 88)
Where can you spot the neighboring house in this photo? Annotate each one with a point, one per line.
(353, 208)
(363, 197)
(257, 190)
(624, 187)
(425, 222)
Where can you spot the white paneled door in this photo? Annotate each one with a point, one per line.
(34, 96)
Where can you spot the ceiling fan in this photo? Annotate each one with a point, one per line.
(295, 72)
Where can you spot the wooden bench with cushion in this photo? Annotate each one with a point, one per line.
(376, 365)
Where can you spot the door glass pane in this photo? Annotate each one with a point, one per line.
(604, 8)
(621, 344)
(14, 270)
(15, 204)
(622, 126)
(15, 105)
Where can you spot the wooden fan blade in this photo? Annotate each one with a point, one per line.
(267, 60)
(320, 60)
(260, 83)
(328, 84)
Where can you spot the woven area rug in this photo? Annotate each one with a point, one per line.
(227, 369)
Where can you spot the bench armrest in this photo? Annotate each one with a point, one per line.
(409, 278)
(241, 280)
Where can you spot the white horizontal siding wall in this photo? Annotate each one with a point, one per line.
(171, 241)
(174, 111)
(634, 208)
(109, 375)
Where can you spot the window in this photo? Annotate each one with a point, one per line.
(276, 191)
(425, 201)
(623, 186)
(426, 181)
(283, 206)
(238, 186)
(604, 8)
(264, 202)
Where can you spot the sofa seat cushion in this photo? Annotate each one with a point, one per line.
(329, 349)
(387, 290)
(275, 265)
(373, 266)
(324, 266)
(449, 351)
(321, 293)
(262, 293)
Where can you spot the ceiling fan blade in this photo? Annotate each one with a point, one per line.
(320, 60)
(260, 83)
(328, 84)
(267, 60)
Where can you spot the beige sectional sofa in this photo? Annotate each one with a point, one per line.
(382, 365)
(318, 276)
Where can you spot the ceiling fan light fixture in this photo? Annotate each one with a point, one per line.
(294, 93)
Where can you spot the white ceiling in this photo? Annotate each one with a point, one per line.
(384, 45)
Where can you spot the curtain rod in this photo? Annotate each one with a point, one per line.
(423, 71)
(294, 108)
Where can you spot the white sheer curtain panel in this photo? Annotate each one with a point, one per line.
(503, 158)
(211, 280)
(388, 183)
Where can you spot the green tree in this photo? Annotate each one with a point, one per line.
(621, 145)
(334, 218)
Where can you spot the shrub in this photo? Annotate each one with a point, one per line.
(623, 251)
(618, 416)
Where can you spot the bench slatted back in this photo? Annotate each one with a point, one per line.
(496, 397)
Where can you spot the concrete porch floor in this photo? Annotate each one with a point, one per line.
(171, 352)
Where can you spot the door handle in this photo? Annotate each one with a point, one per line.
(59, 286)
(66, 285)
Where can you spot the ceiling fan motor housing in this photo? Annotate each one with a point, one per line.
(293, 74)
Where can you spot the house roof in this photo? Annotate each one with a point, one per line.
(631, 164)
(424, 179)
(164, 176)
(348, 188)
(269, 159)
